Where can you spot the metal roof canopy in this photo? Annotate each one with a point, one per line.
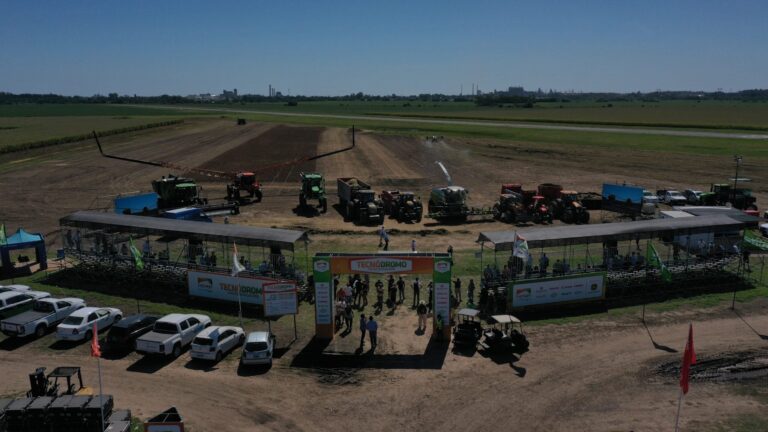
(597, 233)
(192, 230)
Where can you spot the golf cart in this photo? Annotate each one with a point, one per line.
(42, 385)
(505, 334)
(468, 329)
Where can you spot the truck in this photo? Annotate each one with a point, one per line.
(13, 303)
(46, 313)
(171, 334)
(403, 206)
(312, 188)
(358, 201)
(564, 204)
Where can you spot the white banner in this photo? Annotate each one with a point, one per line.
(443, 301)
(557, 290)
(323, 303)
(224, 287)
(280, 299)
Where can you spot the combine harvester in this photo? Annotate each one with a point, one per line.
(450, 203)
(175, 192)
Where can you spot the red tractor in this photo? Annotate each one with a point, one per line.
(246, 182)
(518, 205)
(564, 204)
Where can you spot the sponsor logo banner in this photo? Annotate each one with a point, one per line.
(381, 265)
(225, 287)
(322, 266)
(558, 290)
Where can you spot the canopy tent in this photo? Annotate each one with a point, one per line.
(192, 230)
(22, 240)
(597, 233)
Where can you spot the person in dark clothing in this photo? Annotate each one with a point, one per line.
(363, 329)
(348, 316)
(471, 291)
(416, 292)
(745, 258)
(421, 311)
(373, 328)
(379, 295)
(457, 290)
(400, 289)
(364, 292)
(430, 293)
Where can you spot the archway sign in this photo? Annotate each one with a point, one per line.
(325, 265)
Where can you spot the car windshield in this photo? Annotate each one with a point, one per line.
(42, 307)
(164, 327)
(73, 320)
(203, 341)
(256, 346)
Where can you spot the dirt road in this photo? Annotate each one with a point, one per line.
(598, 376)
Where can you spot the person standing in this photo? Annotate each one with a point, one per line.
(430, 293)
(416, 292)
(348, 316)
(457, 290)
(373, 328)
(365, 289)
(400, 290)
(363, 329)
(471, 291)
(421, 310)
(379, 295)
(413, 245)
(382, 234)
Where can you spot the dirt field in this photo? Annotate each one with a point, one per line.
(609, 375)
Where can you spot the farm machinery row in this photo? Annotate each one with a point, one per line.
(543, 205)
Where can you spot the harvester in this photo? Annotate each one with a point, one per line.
(174, 192)
(403, 206)
(450, 203)
(358, 201)
(564, 204)
(312, 188)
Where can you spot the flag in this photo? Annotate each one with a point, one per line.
(136, 255)
(521, 247)
(3, 236)
(689, 358)
(751, 239)
(236, 266)
(654, 261)
(95, 348)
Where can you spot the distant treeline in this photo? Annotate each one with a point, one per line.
(487, 99)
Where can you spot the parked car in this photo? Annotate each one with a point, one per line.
(171, 334)
(764, 229)
(15, 302)
(693, 196)
(122, 336)
(649, 197)
(17, 288)
(258, 349)
(79, 325)
(45, 314)
(673, 197)
(216, 341)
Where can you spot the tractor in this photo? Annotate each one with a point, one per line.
(564, 204)
(518, 205)
(403, 206)
(174, 192)
(510, 209)
(313, 188)
(244, 181)
(449, 203)
(739, 198)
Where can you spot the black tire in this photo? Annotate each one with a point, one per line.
(40, 330)
(259, 195)
(241, 340)
(537, 217)
(218, 356)
(176, 352)
(88, 335)
(324, 205)
(302, 201)
(117, 319)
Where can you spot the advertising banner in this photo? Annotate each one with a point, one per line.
(622, 198)
(323, 291)
(224, 287)
(585, 287)
(280, 299)
(382, 265)
(442, 283)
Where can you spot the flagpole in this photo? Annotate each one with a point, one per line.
(679, 405)
(101, 392)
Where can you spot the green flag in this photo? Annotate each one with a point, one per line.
(3, 237)
(754, 241)
(654, 261)
(136, 255)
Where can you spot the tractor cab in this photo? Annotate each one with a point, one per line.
(246, 179)
(366, 195)
(570, 196)
(405, 197)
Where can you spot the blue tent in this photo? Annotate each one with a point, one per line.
(22, 240)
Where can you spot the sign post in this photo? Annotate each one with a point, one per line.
(323, 297)
(441, 278)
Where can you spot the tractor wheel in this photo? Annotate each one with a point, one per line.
(537, 217)
(258, 195)
(585, 217)
(324, 205)
(302, 201)
(229, 193)
(568, 216)
(497, 212)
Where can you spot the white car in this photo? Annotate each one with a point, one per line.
(650, 198)
(18, 288)
(764, 229)
(673, 197)
(258, 349)
(215, 341)
(79, 325)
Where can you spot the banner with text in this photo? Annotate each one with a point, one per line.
(280, 299)
(382, 265)
(224, 287)
(323, 291)
(442, 282)
(585, 287)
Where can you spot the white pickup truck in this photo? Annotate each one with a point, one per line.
(45, 313)
(171, 334)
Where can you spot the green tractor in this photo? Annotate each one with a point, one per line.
(174, 192)
(313, 188)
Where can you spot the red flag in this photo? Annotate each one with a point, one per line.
(95, 348)
(689, 358)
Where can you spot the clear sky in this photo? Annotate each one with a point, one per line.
(326, 47)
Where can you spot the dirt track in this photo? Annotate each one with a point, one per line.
(593, 376)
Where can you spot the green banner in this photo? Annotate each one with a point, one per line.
(654, 261)
(755, 241)
(441, 278)
(323, 290)
(136, 255)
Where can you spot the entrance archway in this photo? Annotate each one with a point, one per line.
(325, 265)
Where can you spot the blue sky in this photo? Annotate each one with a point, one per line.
(380, 47)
